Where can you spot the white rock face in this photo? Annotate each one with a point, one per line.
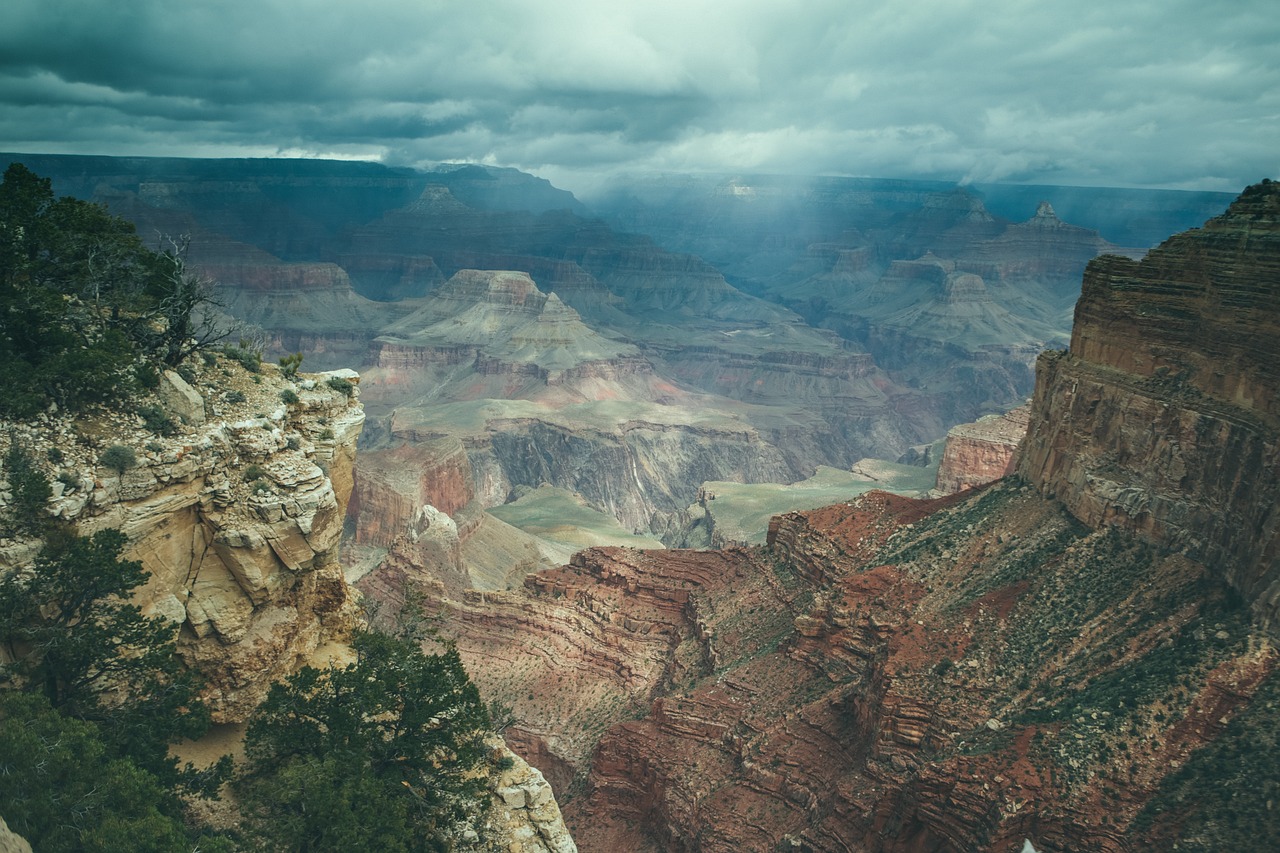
(237, 521)
(525, 817)
(181, 399)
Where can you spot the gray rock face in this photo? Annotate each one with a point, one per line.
(180, 399)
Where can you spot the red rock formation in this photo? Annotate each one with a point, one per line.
(956, 674)
(393, 485)
(931, 703)
(981, 452)
(1164, 417)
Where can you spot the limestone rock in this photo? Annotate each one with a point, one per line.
(248, 566)
(180, 399)
(525, 817)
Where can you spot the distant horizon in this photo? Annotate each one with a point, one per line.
(623, 175)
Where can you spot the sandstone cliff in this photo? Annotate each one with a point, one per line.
(236, 516)
(1164, 416)
(978, 453)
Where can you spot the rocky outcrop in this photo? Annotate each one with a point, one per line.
(524, 817)
(978, 453)
(935, 687)
(1164, 416)
(973, 672)
(236, 520)
(393, 486)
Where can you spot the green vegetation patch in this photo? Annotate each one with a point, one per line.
(1225, 796)
(741, 511)
(558, 515)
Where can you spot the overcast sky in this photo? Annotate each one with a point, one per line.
(1098, 92)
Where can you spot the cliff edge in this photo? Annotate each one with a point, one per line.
(1164, 416)
(233, 501)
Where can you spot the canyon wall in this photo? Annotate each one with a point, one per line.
(1164, 416)
(967, 673)
(978, 453)
(236, 517)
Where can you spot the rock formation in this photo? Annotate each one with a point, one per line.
(1164, 416)
(236, 518)
(978, 453)
(524, 817)
(971, 672)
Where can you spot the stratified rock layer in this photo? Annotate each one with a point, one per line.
(965, 673)
(236, 521)
(978, 453)
(1164, 417)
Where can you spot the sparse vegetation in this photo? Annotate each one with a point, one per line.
(119, 458)
(289, 365)
(248, 354)
(342, 386)
(157, 420)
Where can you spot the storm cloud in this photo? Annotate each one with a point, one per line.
(1143, 93)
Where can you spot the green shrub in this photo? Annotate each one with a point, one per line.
(255, 472)
(247, 355)
(342, 386)
(289, 364)
(289, 396)
(157, 420)
(404, 768)
(30, 489)
(148, 376)
(119, 458)
(234, 397)
(326, 434)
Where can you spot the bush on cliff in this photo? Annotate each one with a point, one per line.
(70, 633)
(63, 790)
(91, 696)
(384, 754)
(88, 311)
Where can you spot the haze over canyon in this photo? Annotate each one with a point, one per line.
(780, 513)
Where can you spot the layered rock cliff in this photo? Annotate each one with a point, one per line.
(983, 451)
(1164, 416)
(971, 672)
(236, 516)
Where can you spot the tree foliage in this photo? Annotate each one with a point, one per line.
(84, 305)
(384, 754)
(63, 790)
(70, 632)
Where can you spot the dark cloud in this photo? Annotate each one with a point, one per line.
(1148, 92)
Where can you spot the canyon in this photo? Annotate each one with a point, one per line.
(1067, 656)
(740, 329)
(1079, 655)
